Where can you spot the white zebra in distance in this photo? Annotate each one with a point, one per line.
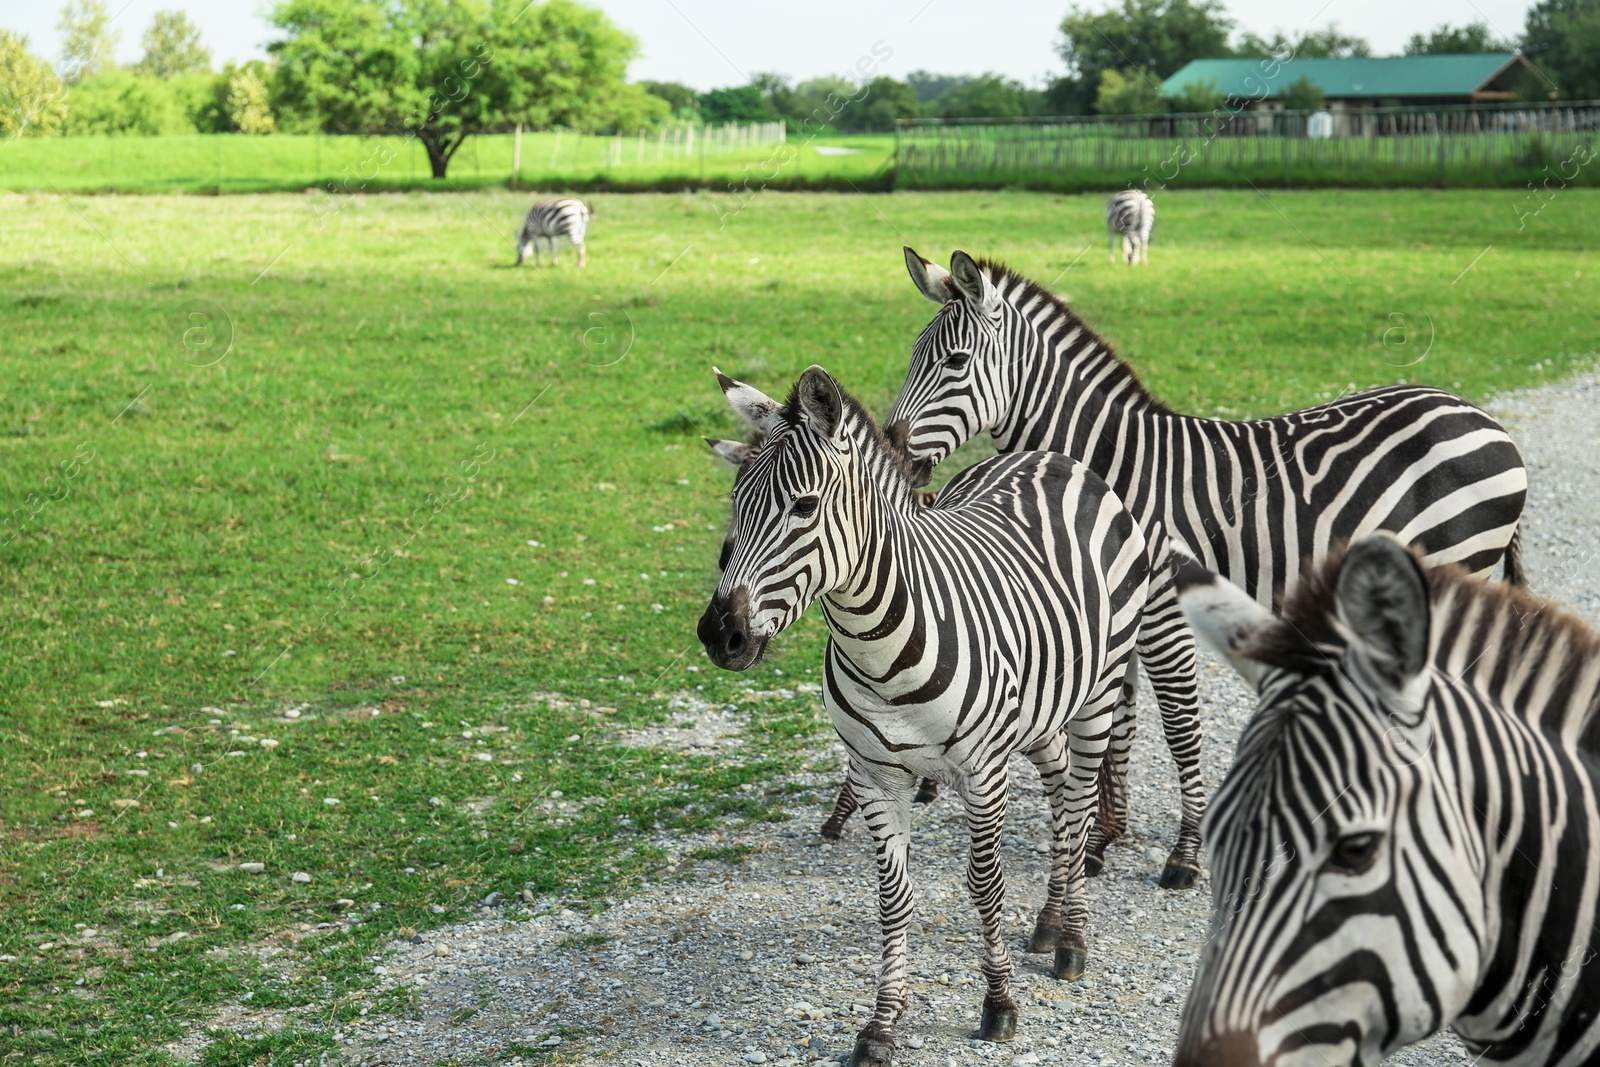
(1131, 213)
(1005, 617)
(568, 217)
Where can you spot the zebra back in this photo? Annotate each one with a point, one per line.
(567, 217)
(1407, 838)
(1130, 212)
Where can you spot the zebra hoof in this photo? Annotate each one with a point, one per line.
(875, 1050)
(832, 830)
(1045, 936)
(1178, 875)
(927, 792)
(1069, 963)
(999, 1024)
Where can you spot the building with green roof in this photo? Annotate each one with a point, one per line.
(1357, 82)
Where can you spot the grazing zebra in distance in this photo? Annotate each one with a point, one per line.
(1407, 839)
(1131, 213)
(1001, 619)
(568, 217)
(1257, 499)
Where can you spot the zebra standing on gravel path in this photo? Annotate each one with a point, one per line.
(568, 217)
(1131, 213)
(1407, 839)
(1258, 500)
(1004, 618)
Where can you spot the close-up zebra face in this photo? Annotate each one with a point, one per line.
(960, 370)
(1348, 915)
(784, 546)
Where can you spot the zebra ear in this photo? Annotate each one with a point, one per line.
(932, 280)
(971, 282)
(752, 405)
(1381, 597)
(1224, 616)
(734, 452)
(822, 402)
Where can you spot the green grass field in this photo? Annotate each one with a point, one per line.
(230, 163)
(335, 456)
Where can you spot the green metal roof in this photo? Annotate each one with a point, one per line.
(1398, 76)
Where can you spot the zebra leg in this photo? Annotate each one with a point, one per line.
(1111, 256)
(984, 796)
(1167, 650)
(579, 246)
(843, 808)
(886, 808)
(927, 791)
(1053, 765)
(1111, 820)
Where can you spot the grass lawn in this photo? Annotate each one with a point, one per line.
(231, 163)
(332, 457)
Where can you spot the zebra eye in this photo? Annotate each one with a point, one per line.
(1353, 853)
(957, 360)
(805, 507)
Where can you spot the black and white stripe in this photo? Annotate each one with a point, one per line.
(1130, 215)
(568, 217)
(1409, 837)
(1005, 618)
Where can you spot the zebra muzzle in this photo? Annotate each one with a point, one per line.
(724, 630)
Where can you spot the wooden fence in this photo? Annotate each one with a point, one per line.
(1369, 146)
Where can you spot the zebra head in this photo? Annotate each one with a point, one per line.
(786, 543)
(1348, 913)
(961, 368)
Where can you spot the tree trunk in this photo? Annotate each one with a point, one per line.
(440, 149)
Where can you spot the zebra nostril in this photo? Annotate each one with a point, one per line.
(735, 643)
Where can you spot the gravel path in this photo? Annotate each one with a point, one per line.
(772, 960)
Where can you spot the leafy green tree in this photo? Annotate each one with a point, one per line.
(1562, 38)
(1196, 97)
(1068, 96)
(443, 70)
(886, 101)
(172, 46)
(989, 96)
(1303, 94)
(1312, 44)
(32, 98)
(124, 101)
(248, 107)
(1471, 39)
(929, 87)
(88, 42)
(1157, 36)
(1133, 92)
(819, 102)
(742, 103)
(679, 97)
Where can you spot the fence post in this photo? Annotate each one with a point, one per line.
(516, 158)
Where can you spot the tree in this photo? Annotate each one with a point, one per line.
(1312, 44)
(248, 110)
(443, 70)
(121, 100)
(989, 96)
(172, 46)
(1196, 98)
(743, 103)
(1562, 39)
(1473, 38)
(88, 43)
(1303, 94)
(1157, 36)
(1132, 92)
(32, 98)
(818, 102)
(886, 101)
(929, 87)
(679, 97)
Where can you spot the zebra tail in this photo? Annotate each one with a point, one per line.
(1515, 575)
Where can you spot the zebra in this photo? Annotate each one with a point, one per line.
(568, 217)
(1406, 840)
(1130, 213)
(1004, 618)
(737, 454)
(1256, 499)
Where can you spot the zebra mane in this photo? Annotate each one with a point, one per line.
(1020, 291)
(1515, 626)
(898, 462)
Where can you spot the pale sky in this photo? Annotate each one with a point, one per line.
(709, 43)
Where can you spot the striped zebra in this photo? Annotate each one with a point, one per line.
(1004, 618)
(568, 217)
(1407, 838)
(1130, 213)
(1256, 499)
